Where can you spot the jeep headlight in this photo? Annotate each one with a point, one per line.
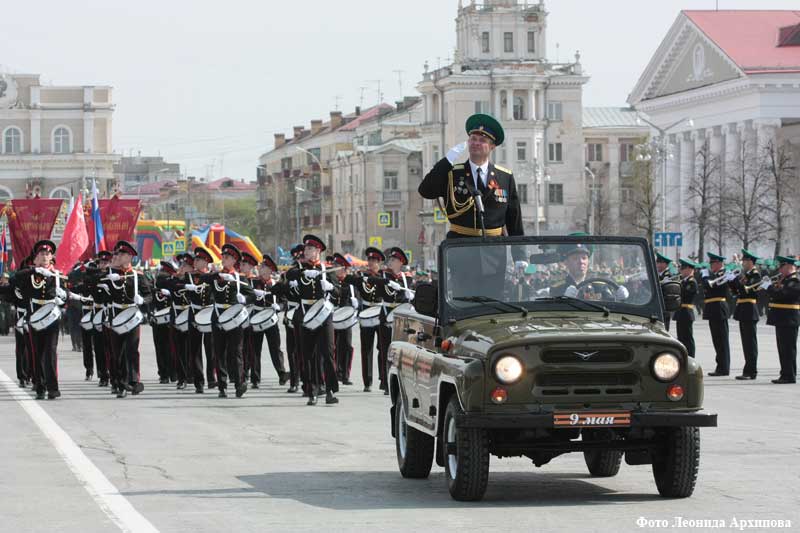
(508, 369)
(666, 366)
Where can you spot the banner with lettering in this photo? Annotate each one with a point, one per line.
(30, 221)
(119, 219)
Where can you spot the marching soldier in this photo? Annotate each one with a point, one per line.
(715, 310)
(662, 266)
(316, 346)
(127, 289)
(684, 317)
(784, 314)
(100, 340)
(270, 299)
(12, 293)
(745, 289)
(292, 297)
(345, 295)
(395, 291)
(247, 264)
(199, 341)
(371, 297)
(227, 290)
(185, 368)
(162, 333)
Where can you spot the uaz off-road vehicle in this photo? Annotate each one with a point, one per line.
(490, 362)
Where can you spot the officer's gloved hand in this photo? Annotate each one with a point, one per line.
(227, 277)
(191, 287)
(729, 276)
(276, 307)
(59, 302)
(311, 273)
(704, 273)
(622, 293)
(765, 284)
(455, 153)
(571, 292)
(165, 292)
(138, 300)
(114, 276)
(61, 294)
(409, 294)
(259, 293)
(240, 298)
(394, 285)
(293, 284)
(46, 272)
(543, 293)
(326, 285)
(354, 302)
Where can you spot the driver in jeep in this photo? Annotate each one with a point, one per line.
(578, 284)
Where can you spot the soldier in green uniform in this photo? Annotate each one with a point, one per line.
(716, 312)
(662, 266)
(784, 314)
(684, 317)
(745, 288)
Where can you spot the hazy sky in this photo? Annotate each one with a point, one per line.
(207, 83)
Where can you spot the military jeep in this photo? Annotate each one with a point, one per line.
(540, 346)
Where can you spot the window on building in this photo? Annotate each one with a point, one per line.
(531, 42)
(554, 110)
(395, 222)
(554, 152)
(555, 194)
(522, 192)
(626, 195)
(286, 163)
(595, 152)
(485, 42)
(313, 152)
(508, 41)
(390, 180)
(482, 106)
(522, 151)
(12, 143)
(519, 108)
(374, 138)
(503, 154)
(435, 150)
(61, 141)
(626, 152)
(337, 223)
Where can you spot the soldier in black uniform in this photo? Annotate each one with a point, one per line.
(291, 296)
(200, 342)
(715, 310)
(784, 314)
(227, 290)
(39, 285)
(395, 290)
(272, 291)
(162, 333)
(344, 296)
(684, 317)
(100, 339)
(662, 267)
(370, 296)
(127, 288)
(12, 293)
(316, 347)
(247, 270)
(465, 187)
(745, 288)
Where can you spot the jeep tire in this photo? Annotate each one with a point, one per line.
(602, 463)
(676, 465)
(466, 454)
(414, 448)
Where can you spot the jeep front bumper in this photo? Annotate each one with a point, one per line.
(534, 421)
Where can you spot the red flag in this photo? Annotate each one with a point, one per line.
(30, 220)
(75, 239)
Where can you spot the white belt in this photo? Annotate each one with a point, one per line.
(222, 306)
(391, 305)
(87, 307)
(181, 307)
(196, 306)
(123, 306)
(41, 302)
(311, 302)
(374, 304)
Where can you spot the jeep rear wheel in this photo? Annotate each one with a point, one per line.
(676, 465)
(602, 463)
(466, 457)
(414, 448)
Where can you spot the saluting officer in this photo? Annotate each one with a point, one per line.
(684, 317)
(784, 314)
(370, 297)
(345, 296)
(745, 288)
(716, 312)
(662, 266)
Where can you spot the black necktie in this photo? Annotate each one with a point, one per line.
(481, 186)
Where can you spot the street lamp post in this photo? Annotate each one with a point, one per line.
(319, 163)
(591, 198)
(540, 176)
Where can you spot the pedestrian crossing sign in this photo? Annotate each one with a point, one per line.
(384, 219)
(168, 249)
(180, 246)
(376, 242)
(439, 216)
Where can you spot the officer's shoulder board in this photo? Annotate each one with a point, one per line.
(503, 169)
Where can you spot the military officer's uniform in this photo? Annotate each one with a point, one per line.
(784, 314)
(684, 317)
(716, 312)
(745, 289)
(662, 265)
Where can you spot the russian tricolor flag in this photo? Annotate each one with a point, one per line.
(99, 235)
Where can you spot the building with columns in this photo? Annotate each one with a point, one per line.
(501, 68)
(53, 138)
(731, 79)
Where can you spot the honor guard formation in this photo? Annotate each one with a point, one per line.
(224, 313)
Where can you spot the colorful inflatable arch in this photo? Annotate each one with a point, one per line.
(213, 236)
(150, 236)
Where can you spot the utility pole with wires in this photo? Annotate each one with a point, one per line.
(361, 100)
(337, 102)
(400, 81)
(379, 83)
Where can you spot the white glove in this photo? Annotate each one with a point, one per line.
(543, 293)
(521, 265)
(59, 302)
(729, 276)
(276, 307)
(114, 276)
(227, 277)
(61, 293)
(354, 302)
(326, 285)
(165, 292)
(571, 292)
(766, 284)
(455, 153)
(395, 286)
(46, 272)
(311, 273)
(138, 300)
(409, 294)
(240, 298)
(259, 293)
(622, 293)
(75, 297)
(103, 286)
(191, 287)
(704, 273)
(293, 284)
(86, 300)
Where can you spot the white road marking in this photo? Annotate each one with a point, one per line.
(102, 491)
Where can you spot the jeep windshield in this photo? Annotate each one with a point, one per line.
(551, 274)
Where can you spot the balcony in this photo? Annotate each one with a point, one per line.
(392, 197)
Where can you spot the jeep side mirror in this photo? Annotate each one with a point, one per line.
(426, 299)
(672, 295)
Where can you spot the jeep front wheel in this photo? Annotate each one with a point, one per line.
(466, 457)
(675, 466)
(414, 448)
(602, 463)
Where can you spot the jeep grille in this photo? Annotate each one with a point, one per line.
(603, 355)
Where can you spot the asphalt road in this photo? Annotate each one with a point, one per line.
(178, 461)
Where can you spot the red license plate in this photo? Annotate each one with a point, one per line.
(592, 419)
